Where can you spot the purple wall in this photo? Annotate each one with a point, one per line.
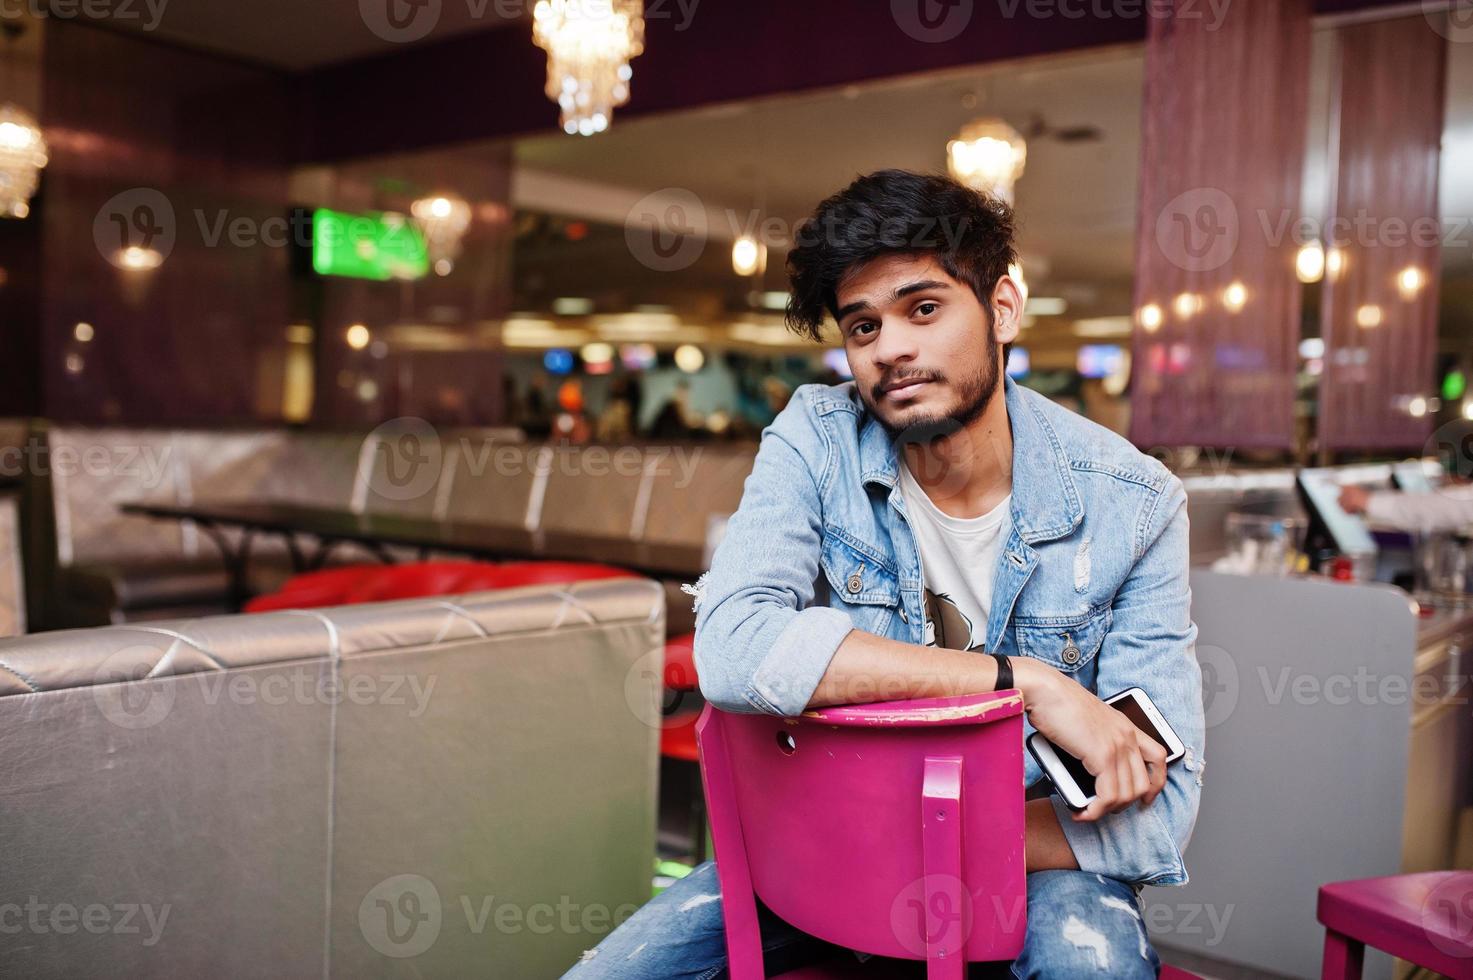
(171, 142)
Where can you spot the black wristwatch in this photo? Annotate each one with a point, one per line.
(1004, 672)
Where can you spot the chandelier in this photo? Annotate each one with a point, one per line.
(443, 221)
(22, 155)
(988, 155)
(589, 44)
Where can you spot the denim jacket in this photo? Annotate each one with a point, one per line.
(1091, 580)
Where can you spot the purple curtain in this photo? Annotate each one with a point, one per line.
(1217, 303)
(1379, 317)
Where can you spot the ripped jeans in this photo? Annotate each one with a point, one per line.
(1079, 925)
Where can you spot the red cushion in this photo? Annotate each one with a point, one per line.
(382, 583)
(680, 663)
(678, 737)
(309, 590)
(516, 573)
(414, 580)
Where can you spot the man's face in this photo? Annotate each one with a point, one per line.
(923, 350)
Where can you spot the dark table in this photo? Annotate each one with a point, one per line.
(329, 527)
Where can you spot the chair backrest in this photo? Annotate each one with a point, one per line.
(894, 829)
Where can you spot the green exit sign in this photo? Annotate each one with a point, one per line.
(367, 246)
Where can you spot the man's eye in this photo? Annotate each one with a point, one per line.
(927, 308)
(860, 329)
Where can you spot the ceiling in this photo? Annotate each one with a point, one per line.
(299, 35)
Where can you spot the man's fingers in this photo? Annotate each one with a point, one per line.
(1155, 757)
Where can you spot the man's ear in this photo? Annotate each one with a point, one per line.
(1007, 310)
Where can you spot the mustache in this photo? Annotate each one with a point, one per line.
(878, 390)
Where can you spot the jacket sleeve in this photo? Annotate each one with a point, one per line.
(1151, 645)
(1447, 509)
(761, 646)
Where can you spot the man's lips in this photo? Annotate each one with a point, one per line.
(907, 389)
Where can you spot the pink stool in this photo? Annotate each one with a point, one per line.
(848, 824)
(1426, 919)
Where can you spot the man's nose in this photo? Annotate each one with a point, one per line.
(896, 343)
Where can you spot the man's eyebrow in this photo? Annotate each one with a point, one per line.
(919, 285)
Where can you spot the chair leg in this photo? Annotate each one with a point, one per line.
(1344, 957)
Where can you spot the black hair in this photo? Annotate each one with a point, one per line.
(897, 212)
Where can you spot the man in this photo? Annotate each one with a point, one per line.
(929, 529)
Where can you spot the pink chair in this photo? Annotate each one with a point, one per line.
(894, 829)
(1426, 919)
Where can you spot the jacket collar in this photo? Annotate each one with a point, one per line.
(1046, 503)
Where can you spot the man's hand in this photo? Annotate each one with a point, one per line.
(1354, 500)
(1128, 765)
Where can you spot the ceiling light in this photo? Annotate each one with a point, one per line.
(689, 358)
(1309, 262)
(1046, 305)
(572, 306)
(1151, 317)
(589, 46)
(748, 256)
(988, 155)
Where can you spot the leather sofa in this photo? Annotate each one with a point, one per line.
(12, 576)
(438, 787)
(96, 566)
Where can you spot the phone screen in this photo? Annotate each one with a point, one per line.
(1129, 706)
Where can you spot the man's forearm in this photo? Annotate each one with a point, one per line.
(868, 668)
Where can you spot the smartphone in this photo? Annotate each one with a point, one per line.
(1071, 780)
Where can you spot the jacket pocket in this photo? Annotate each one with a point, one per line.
(1067, 643)
(856, 573)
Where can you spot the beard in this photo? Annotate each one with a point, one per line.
(975, 392)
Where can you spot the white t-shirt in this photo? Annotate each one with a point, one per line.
(959, 562)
